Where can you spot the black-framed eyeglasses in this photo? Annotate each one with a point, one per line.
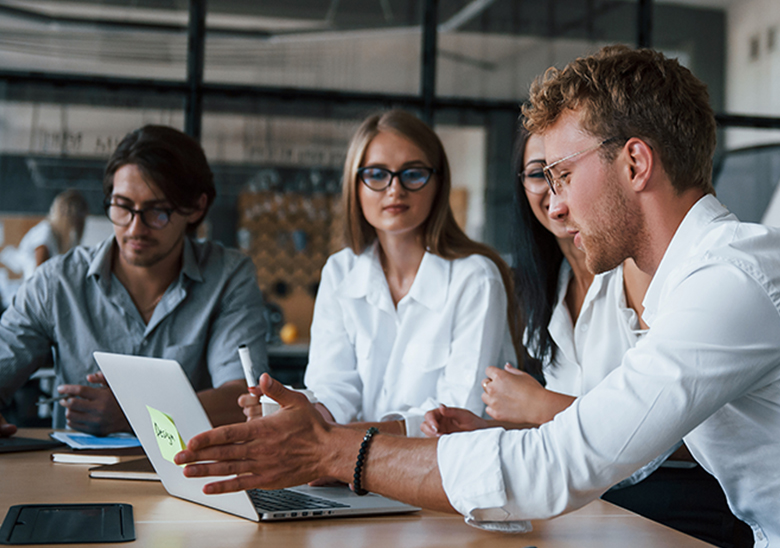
(533, 179)
(411, 178)
(153, 217)
(556, 184)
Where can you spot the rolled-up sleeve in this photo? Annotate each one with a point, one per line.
(690, 365)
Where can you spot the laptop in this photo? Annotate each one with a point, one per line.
(161, 405)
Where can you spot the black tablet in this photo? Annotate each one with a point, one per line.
(15, 443)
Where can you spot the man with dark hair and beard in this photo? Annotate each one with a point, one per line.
(151, 289)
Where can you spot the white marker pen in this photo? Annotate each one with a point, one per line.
(246, 363)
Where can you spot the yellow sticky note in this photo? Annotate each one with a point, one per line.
(168, 437)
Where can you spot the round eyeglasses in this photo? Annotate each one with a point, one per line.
(533, 179)
(411, 178)
(153, 217)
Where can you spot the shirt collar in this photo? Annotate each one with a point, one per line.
(190, 266)
(682, 246)
(100, 267)
(357, 283)
(431, 282)
(367, 279)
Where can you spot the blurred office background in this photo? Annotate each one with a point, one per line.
(274, 89)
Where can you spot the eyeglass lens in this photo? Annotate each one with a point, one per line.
(533, 178)
(378, 178)
(152, 217)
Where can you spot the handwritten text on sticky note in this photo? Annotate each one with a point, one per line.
(168, 437)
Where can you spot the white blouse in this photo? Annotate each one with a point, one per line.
(371, 361)
(606, 329)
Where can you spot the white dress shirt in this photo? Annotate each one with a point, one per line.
(708, 371)
(592, 348)
(606, 329)
(371, 361)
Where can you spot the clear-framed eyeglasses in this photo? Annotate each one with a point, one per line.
(556, 184)
(411, 178)
(532, 178)
(153, 217)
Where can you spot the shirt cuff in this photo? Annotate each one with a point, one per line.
(412, 422)
(475, 486)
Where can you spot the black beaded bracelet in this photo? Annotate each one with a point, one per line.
(362, 455)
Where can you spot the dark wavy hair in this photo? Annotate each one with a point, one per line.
(174, 161)
(538, 259)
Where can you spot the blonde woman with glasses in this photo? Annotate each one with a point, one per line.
(412, 312)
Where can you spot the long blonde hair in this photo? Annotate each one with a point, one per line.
(441, 234)
(67, 215)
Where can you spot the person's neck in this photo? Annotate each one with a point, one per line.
(400, 257)
(581, 277)
(663, 212)
(147, 284)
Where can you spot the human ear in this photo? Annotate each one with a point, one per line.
(640, 162)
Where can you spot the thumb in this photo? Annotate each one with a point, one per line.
(277, 392)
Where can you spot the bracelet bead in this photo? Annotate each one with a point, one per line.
(361, 458)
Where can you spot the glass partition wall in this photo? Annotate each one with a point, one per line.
(274, 90)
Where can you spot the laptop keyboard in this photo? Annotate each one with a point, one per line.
(280, 500)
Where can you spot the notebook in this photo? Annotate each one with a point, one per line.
(136, 469)
(165, 413)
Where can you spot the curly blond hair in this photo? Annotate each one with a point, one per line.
(624, 93)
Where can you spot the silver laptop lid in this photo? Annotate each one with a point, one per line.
(165, 413)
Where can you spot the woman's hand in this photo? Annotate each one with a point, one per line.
(446, 420)
(515, 396)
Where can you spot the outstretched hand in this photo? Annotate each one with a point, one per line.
(515, 396)
(447, 420)
(280, 450)
(93, 409)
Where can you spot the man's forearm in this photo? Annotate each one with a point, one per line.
(401, 468)
(221, 404)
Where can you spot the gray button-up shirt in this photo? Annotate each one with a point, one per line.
(73, 305)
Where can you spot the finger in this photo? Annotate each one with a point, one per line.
(97, 378)
(78, 391)
(223, 435)
(89, 427)
(491, 372)
(429, 430)
(277, 392)
(490, 411)
(509, 368)
(6, 429)
(253, 412)
(81, 405)
(248, 400)
(223, 453)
